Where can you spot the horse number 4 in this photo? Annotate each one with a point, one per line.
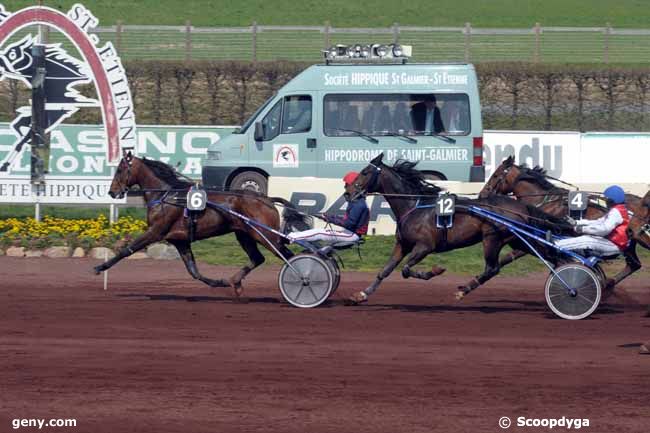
(577, 200)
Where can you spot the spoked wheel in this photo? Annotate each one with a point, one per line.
(586, 285)
(307, 281)
(336, 273)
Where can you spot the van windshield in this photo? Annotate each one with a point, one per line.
(386, 114)
(250, 120)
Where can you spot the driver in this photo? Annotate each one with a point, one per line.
(606, 235)
(355, 221)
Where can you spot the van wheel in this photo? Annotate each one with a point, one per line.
(250, 180)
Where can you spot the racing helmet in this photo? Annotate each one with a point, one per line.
(615, 193)
(350, 177)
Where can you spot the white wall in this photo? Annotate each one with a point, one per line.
(592, 161)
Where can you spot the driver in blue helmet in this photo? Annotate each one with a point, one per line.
(607, 235)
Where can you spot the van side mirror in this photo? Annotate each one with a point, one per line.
(259, 132)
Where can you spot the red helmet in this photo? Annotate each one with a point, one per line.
(350, 177)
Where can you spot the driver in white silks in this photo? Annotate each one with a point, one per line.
(354, 223)
(606, 235)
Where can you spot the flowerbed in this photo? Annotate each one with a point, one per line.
(85, 233)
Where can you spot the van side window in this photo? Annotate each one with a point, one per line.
(271, 122)
(382, 114)
(297, 114)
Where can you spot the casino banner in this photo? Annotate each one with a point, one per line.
(79, 172)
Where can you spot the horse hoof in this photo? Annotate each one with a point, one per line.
(358, 298)
(98, 270)
(645, 349)
(460, 295)
(437, 270)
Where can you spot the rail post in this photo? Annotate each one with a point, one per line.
(118, 36)
(254, 30)
(468, 40)
(327, 30)
(608, 31)
(538, 30)
(188, 41)
(395, 33)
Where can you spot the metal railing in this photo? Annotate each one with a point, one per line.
(537, 44)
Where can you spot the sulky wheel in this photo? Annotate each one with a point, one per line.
(586, 284)
(336, 273)
(306, 281)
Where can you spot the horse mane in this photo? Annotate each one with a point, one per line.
(414, 178)
(166, 173)
(536, 174)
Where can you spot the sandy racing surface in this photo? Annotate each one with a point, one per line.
(160, 352)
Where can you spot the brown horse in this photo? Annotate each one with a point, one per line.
(531, 186)
(164, 193)
(417, 232)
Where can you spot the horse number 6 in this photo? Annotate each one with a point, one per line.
(196, 200)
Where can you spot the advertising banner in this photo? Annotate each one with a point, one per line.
(79, 172)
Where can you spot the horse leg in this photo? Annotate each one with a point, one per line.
(632, 264)
(399, 251)
(511, 257)
(153, 234)
(491, 250)
(185, 250)
(419, 253)
(256, 258)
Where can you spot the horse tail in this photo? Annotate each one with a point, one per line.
(293, 219)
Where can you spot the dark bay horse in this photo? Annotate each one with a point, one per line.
(164, 193)
(531, 186)
(417, 234)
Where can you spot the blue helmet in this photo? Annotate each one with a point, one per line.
(615, 193)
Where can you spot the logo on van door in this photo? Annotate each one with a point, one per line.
(285, 156)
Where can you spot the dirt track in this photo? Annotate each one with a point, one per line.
(160, 352)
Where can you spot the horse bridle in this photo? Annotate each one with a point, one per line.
(371, 183)
(125, 185)
(500, 179)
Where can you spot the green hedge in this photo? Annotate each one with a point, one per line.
(513, 95)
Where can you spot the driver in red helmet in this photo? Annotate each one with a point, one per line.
(354, 222)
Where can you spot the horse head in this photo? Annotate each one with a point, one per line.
(368, 179)
(503, 179)
(125, 176)
(16, 60)
(646, 200)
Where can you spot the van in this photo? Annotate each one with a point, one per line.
(335, 117)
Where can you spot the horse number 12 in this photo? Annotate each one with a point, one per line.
(445, 206)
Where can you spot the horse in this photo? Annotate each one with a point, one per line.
(531, 186)
(164, 191)
(417, 233)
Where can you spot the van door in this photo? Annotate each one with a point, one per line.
(288, 138)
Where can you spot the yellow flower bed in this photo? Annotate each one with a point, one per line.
(98, 228)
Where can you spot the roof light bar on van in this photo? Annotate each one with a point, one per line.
(367, 52)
